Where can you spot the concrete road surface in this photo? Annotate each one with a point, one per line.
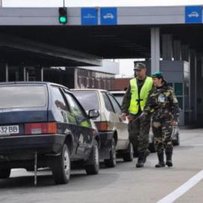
(123, 184)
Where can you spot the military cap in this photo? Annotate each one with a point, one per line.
(139, 66)
(157, 75)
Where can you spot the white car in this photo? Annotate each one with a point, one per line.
(112, 129)
(118, 95)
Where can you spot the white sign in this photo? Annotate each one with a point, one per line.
(8, 130)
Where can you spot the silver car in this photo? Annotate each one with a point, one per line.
(113, 131)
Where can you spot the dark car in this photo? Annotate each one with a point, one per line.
(45, 120)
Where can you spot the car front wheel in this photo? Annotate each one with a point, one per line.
(61, 166)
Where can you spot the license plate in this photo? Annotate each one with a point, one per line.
(8, 130)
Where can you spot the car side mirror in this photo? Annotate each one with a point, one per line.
(93, 113)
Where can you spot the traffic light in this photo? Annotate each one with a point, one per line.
(63, 19)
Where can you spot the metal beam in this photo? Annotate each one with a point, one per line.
(126, 16)
(167, 47)
(155, 49)
(48, 50)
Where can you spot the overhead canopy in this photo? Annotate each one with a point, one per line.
(129, 41)
(34, 35)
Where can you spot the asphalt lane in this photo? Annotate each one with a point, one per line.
(123, 184)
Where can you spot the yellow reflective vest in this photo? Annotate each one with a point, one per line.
(139, 99)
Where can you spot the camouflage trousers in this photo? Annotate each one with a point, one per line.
(162, 131)
(138, 129)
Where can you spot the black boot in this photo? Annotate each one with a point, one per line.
(161, 163)
(146, 154)
(169, 152)
(140, 161)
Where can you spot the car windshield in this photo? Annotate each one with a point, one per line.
(88, 99)
(20, 96)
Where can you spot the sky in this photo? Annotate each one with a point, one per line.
(127, 64)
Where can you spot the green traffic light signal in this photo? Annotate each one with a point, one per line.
(63, 19)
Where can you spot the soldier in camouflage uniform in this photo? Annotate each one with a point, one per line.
(132, 106)
(163, 106)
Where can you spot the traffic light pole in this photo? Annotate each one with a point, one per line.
(64, 1)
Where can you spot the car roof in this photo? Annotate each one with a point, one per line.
(90, 89)
(117, 92)
(31, 83)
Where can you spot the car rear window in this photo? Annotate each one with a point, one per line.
(23, 96)
(88, 99)
(119, 98)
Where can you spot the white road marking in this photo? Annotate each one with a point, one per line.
(182, 189)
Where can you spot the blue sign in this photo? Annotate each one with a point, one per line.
(108, 16)
(193, 14)
(89, 16)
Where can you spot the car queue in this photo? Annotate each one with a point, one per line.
(60, 128)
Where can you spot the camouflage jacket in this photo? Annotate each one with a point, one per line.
(163, 104)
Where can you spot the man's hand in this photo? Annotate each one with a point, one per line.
(123, 116)
(130, 118)
(174, 123)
